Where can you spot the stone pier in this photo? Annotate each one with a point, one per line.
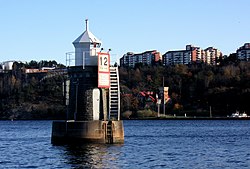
(72, 132)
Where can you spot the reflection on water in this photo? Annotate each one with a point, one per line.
(92, 155)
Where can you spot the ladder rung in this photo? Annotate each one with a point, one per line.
(114, 90)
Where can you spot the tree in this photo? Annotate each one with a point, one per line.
(33, 64)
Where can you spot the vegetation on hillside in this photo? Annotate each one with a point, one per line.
(193, 89)
(28, 96)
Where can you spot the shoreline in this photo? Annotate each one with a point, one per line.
(145, 118)
(191, 118)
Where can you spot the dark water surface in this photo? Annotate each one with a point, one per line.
(148, 144)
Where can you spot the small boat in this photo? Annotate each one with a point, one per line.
(243, 115)
(237, 114)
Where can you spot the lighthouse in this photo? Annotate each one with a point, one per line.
(87, 47)
(93, 110)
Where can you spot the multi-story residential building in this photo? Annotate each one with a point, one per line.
(197, 53)
(190, 55)
(211, 55)
(7, 65)
(243, 53)
(176, 57)
(127, 59)
(187, 56)
(147, 58)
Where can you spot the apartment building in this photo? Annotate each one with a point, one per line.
(176, 57)
(7, 65)
(211, 55)
(243, 53)
(187, 56)
(190, 55)
(147, 58)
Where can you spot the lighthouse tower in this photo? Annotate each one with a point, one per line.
(92, 112)
(86, 48)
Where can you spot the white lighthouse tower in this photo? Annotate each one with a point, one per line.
(92, 112)
(87, 47)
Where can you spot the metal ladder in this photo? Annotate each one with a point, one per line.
(109, 133)
(114, 94)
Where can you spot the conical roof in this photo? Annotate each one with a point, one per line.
(87, 37)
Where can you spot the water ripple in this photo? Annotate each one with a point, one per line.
(148, 144)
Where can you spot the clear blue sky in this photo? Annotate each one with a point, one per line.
(45, 29)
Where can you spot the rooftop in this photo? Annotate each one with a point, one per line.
(87, 37)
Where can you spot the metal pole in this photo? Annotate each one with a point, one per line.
(163, 97)
(158, 110)
(104, 106)
(164, 109)
(76, 100)
(210, 110)
(66, 59)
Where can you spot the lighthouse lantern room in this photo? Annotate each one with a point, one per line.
(87, 47)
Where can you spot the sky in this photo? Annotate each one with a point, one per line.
(45, 29)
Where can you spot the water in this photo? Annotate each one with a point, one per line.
(148, 144)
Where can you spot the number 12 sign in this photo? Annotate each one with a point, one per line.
(103, 70)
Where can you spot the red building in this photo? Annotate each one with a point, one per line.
(146, 58)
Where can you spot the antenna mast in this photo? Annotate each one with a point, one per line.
(86, 21)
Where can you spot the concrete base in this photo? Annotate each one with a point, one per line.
(67, 132)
